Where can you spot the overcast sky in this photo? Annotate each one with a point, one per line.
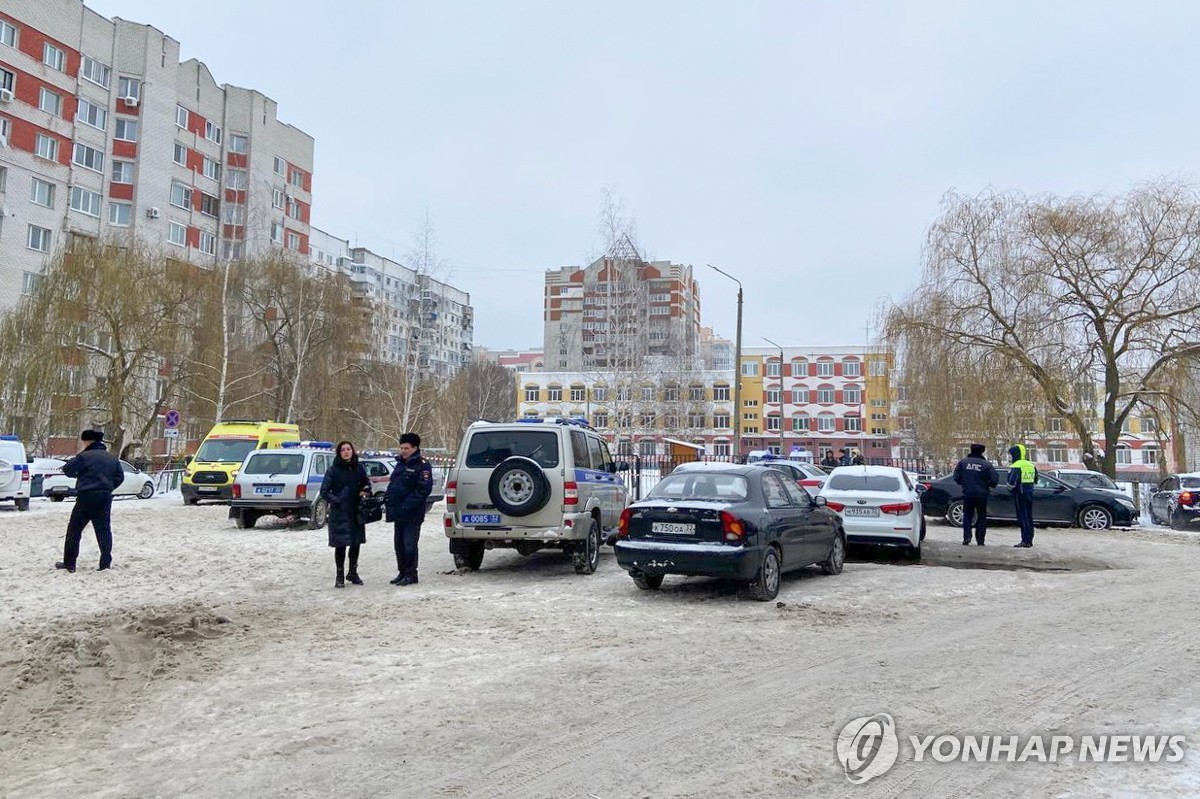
(802, 146)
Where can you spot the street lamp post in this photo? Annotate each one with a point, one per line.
(782, 454)
(737, 369)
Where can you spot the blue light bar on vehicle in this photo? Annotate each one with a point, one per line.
(306, 445)
(10, 437)
(577, 422)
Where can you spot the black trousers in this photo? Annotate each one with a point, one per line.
(94, 507)
(407, 535)
(974, 514)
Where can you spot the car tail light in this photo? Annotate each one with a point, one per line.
(25, 476)
(1185, 498)
(898, 509)
(237, 491)
(301, 492)
(452, 493)
(447, 522)
(810, 483)
(570, 493)
(733, 527)
(836, 507)
(927, 486)
(623, 523)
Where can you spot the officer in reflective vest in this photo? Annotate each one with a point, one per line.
(1022, 475)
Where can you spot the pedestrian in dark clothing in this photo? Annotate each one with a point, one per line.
(829, 462)
(857, 459)
(96, 474)
(1022, 475)
(408, 489)
(978, 477)
(343, 488)
(844, 459)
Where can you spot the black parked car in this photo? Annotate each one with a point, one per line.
(738, 522)
(1054, 502)
(1176, 501)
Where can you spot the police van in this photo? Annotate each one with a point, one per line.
(14, 472)
(284, 482)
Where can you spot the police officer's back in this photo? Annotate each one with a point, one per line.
(97, 473)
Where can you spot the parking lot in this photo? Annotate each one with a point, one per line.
(216, 662)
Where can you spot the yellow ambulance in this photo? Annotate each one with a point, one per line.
(210, 473)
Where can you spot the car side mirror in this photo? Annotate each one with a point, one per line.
(187, 460)
(921, 489)
(820, 501)
(1059, 489)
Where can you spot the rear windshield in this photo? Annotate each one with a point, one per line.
(1189, 482)
(489, 447)
(226, 450)
(699, 485)
(863, 482)
(265, 463)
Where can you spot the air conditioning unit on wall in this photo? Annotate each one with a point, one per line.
(130, 101)
(152, 213)
(6, 96)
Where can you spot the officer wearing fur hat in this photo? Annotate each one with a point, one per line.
(97, 472)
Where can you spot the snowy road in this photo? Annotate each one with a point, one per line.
(216, 662)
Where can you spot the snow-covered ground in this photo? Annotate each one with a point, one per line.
(217, 662)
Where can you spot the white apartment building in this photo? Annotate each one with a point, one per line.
(105, 133)
(416, 315)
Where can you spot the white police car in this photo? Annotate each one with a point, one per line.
(14, 472)
(283, 482)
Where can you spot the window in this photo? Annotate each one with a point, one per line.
(8, 80)
(30, 282)
(181, 196)
(208, 242)
(799, 422)
(773, 395)
(773, 423)
(91, 114)
(554, 394)
(647, 393)
(851, 369)
(878, 368)
(129, 87)
(671, 422)
(773, 368)
(825, 395)
(825, 369)
(232, 250)
(720, 393)
(277, 198)
(238, 143)
(696, 393)
(85, 201)
(599, 420)
(177, 234)
(88, 157)
(38, 238)
(297, 178)
(578, 394)
(531, 393)
(93, 70)
(235, 214)
(280, 168)
(119, 214)
(41, 193)
(3, 179)
(695, 420)
(851, 396)
(181, 117)
(54, 58)
(212, 132)
(671, 394)
(878, 403)
(8, 34)
(1149, 425)
(293, 241)
(853, 424)
(599, 394)
(49, 102)
(750, 369)
(122, 172)
(749, 417)
(878, 416)
(750, 403)
(826, 424)
(1123, 456)
(209, 205)
(46, 147)
(721, 421)
(276, 232)
(126, 129)
(235, 178)
(647, 420)
(212, 169)
(1150, 456)
(799, 396)
(180, 156)
(750, 430)
(293, 210)
(1056, 454)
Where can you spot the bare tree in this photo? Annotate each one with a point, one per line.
(1081, 295)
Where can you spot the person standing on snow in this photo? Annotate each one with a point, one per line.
(978, 477)
(96, 474)
(1022, 475)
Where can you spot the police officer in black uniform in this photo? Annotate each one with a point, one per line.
(408, 489)
(96, 474)
(978, 477)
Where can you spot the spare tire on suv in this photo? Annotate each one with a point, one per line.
(518, 486)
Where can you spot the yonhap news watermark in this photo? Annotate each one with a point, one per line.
(868, 747)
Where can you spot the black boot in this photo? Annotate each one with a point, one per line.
(341, 579)
(354, 578)
(63, 565)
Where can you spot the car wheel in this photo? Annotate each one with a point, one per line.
(1154, 516)
(473, 558)
(647, 582)
(765, 586)
(245, 519)
(1178, 522)
(587, 558)
(913, 553)
(317, 516)
(954, 513)
(190, 500)
(518, 487)
(146, 492)
(23, 504)
(837, 556)
(1095, 517)
(56, 497)
(922, 538)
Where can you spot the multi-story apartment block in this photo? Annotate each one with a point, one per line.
(817, 399)
(616, 312)
(716, 353)
(418, 319)
(513, 360)
(638, 412)
(105, 133)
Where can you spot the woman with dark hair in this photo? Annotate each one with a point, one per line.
(343, 489)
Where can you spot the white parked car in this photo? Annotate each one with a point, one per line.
(14, 472)
(879, 505)
(136, 484)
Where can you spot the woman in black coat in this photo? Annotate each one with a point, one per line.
(342, 489)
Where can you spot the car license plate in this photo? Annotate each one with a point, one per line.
(207, 489)
(268, 489)
(481, 518)
(862, 511)
(672, 528)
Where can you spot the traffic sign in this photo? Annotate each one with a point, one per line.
(172, 419)
(171, 432)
